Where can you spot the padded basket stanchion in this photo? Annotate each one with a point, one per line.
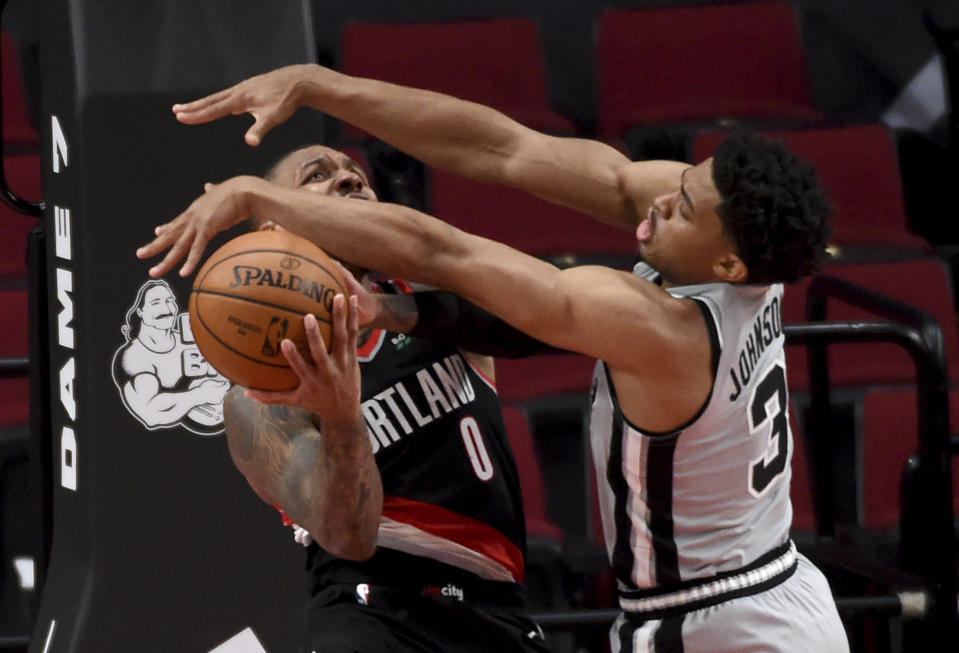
(158, 544)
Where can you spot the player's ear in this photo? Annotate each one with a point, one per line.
(730, 268)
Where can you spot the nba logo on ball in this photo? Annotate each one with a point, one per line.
(251, 294)
(363, 594)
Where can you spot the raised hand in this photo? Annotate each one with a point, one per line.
(330, 383)
(219, 208)
(271, 98)
(368, 304)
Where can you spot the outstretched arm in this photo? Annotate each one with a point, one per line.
(329, 484)
(442, 317)
(451, 134)
(596, 311)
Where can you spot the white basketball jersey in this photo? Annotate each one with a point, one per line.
(713, 495)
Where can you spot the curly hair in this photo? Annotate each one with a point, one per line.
(772, 207)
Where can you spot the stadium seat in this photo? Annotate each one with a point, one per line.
(526, 222)
(859, 170)
(545, 541)
(14, 393)
(23, 176)
(705, 64)
(547, 375)
(890, 436)
(923, 283)
(497, 62)
(19, 134)
(800, 488)
(538, 524)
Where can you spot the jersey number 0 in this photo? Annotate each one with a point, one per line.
(476, 448)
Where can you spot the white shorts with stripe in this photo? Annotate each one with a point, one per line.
(796, 616)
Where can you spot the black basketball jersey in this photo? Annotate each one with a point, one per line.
(451, 490)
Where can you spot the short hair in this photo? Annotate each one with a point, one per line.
(273, 169)
(772, 208)
(253, 223)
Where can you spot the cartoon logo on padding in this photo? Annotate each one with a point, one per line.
(163, 379)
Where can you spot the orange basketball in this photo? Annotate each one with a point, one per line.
(252, 293)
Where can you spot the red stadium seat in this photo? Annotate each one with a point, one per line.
(538, 523)
(23, 176)
(524, 221)
(18, 130)
(859, 170)
(923, 283)
(547, 375)
(889, 438)
(701, 64)
(497, 62)
(14, 393)
(800, 489)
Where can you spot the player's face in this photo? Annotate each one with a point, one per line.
(324, 170)
(159, 308)
(682, 236)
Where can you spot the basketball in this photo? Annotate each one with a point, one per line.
(252, 293)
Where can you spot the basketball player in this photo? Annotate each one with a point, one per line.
(411, 492)
(689, 420)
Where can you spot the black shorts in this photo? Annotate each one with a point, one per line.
(337, 623)
(427, 608)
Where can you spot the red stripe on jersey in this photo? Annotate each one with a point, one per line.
(400, 285)
(371, 345)
(474, 535)
(286, 518)
(490, 382)
(404, 287)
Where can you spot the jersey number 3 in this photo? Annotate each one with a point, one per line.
(767, 414)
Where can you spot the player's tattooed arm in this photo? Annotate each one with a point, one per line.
(327, 484)
(396, 313)
(442, 317)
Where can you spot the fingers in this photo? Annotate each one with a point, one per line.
(164, 239)
(205, 109)
(264, 123)
(299, 366)
(353, 287)
(339, 338)
(197, 247)
(254, 134)
(157, 245)
(352, 324)
(315, 340)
